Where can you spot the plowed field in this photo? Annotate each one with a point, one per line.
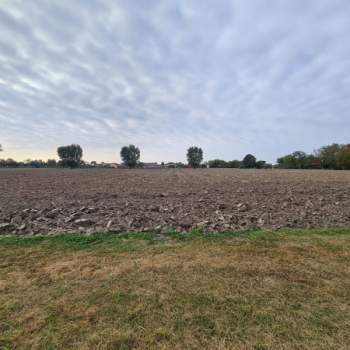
(86, 200)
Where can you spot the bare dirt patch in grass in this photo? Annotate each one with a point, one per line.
(265, 291)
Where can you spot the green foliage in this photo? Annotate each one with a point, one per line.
(194, 156)
(234, 164)
(312, 162)
(70, 155)
(260, 164)
(333, 156)
(343, 158)
(287, 162)
(328, 155)
(249, 161)
(217, 163)
(300, 159)
(295, 160)
(111, 239)
(130, 155)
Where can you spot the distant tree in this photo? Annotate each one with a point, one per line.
(130, 155)
(35, 163)
(234, 164)
(218, 163)
(343, 158)
(249, 161)
(328, 155)
(260, 164)
(11, 163)
(300, 158)
(70, 155)
(1, 148)
(312, 162)
(286, 162)
(296, 160)
(194, 156)
(51, 163)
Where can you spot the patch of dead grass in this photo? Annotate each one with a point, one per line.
(237, 294)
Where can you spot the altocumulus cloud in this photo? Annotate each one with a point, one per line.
(265, 77)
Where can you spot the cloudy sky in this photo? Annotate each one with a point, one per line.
(233, 76)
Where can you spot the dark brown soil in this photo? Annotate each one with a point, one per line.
(48, 200)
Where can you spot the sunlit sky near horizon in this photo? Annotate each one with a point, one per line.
(231, 76)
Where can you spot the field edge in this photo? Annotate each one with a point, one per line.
(81, 240)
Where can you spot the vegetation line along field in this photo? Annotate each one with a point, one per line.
(240, 290)
(334, 156)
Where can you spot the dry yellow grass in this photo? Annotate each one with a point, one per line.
(262, 292)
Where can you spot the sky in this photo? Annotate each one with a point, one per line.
(266, 77)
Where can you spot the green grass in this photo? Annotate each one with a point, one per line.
(287, 289)
(132, 240)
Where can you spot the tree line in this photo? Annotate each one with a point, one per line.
(248, 162)
(334, 156)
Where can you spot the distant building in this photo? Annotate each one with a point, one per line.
(109, 165)
(151, 166)
(113, 165)
(121, 166)
(175, 165)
